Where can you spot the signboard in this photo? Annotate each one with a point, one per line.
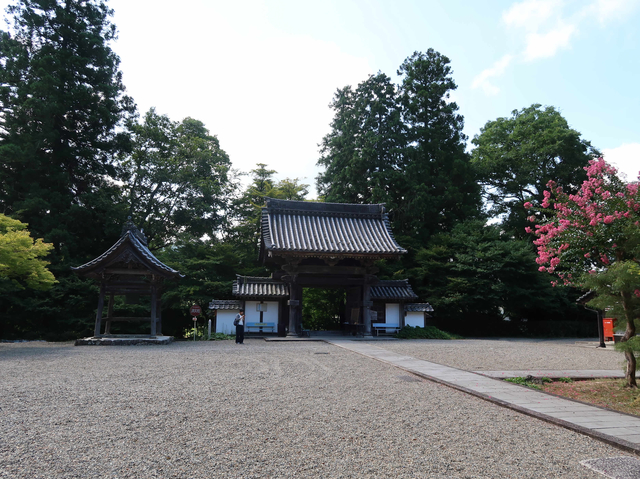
(195, 310)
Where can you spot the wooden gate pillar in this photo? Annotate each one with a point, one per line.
(98, 327)
(294, 306)
(366, 309)
(154, 306)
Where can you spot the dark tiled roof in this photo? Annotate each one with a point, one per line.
(327, 228)
(224, 304)
(398, 290)
(586, 297)
(420, 307)
(252, 287)
(131, 247)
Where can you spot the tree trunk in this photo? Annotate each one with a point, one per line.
(628, 334)
(631, 369)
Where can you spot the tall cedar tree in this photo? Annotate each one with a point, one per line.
(440, 186)
(361, 154)
(62, 98)
(402, 146)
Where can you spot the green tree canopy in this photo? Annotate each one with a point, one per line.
(248, 205)
(176, 179)
(476, 275)
(403, 146)
(21, 260)
(515, 158)
(361, 155)
(61, 100)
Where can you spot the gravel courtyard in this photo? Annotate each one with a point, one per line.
(286, 409)
(510, 354)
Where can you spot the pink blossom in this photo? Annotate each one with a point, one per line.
(608, 219)
(528, 205)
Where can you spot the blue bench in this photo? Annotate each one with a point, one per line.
(386, 327)
(264, 326)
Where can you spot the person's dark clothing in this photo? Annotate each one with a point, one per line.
(240, 334)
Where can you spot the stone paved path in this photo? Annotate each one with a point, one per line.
(614, 428)
(554, 373)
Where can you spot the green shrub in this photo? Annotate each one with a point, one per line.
(429, 332)
(202, 334)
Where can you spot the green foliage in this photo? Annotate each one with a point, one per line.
(564, 380)
(62, 105)
(362, 153)
(476, 275)
(210, 269)
(202, 334)
(618, 289)
(631, 346)
(515, 158)
(440, 187)
(62, 100)
(402, 146)
(323, 309)
(428, 332)
(20, 257)
(247, 207)
(176, 179)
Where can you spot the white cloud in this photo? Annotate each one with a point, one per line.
(546, 27)
(545, 45)
(531, 14)
(498, 68)
(626, 158)
(607, 10)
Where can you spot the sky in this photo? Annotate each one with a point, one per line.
(261, 73)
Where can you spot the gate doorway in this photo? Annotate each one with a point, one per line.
(323, 309)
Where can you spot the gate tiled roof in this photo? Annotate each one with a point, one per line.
(232, 304)
(327, 228)
(393, 289)
(418, 307)
(254, 287)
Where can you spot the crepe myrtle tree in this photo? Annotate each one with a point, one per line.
(592, 241)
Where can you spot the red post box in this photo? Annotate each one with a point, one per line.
(607, 326)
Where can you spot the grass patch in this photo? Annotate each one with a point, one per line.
(429, 332)
(530, 382)
(608, 393)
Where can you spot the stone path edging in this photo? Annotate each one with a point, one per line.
(622, 430)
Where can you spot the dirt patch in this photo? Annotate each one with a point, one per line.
(608, 393)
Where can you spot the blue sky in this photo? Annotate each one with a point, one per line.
(260, 74)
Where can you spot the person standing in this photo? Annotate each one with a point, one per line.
(239, 324)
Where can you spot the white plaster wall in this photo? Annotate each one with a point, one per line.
(250, 312)
(269, 316)
(224, 321)
(414, 318)
(392, 313)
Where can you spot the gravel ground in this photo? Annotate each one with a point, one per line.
(261, 410)
(510, 354)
